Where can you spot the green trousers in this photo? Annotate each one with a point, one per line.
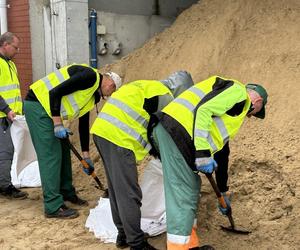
(53, 157)
(181, 184)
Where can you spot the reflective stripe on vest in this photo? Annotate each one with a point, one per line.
(203, 133)
(70, 97)
(72, 105)
(183, 109)
(178, 239)
(123, 119)
(13, 100)
(125, 128)
(129, 111)
(10, 87)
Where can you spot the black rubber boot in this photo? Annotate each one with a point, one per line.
(13, 193)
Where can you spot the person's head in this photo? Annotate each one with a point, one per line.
(9, 45)
(111, 81)
(259, 97)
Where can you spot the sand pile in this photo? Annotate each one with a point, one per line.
(252, 41)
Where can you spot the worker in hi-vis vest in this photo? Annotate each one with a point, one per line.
(192, 137)
(64, 94)
(120, 135)
(10, 106)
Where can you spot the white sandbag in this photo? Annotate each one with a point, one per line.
(153, 219)
(28, 177)
(24, 170)
(153, 203)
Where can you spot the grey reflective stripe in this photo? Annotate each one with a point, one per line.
(74, 105)
(129, 111)
(205, 135)
(125, 128)
(13, 100)
(70, 98)
(201, 133)
(211, 143)
(60, 76)
(187, 103)
(47, 82)
(222, 128)
(197, 91)
(9, 87)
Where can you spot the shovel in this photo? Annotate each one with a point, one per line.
(224, 205)
(85, 164)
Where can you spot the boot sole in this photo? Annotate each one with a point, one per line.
(49, 216)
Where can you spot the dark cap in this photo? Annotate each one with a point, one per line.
(263, 94)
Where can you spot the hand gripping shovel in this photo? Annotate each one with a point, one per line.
(84, 163)
(224, 205)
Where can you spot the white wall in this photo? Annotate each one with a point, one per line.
(167, 8)
(60, 35)
(131, 31)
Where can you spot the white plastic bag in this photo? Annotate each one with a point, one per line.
(153, 219)
(24, 169)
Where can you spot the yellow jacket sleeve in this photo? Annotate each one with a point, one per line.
(218, 105)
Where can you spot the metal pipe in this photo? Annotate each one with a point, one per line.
(93, 38)
(3, 16)
(156, 8)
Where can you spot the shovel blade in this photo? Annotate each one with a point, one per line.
(234, 230)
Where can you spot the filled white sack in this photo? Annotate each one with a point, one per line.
(153, 219)
(24, 169)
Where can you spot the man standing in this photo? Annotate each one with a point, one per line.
(123, 143)
(10, 106)
(64, 94)
(193, 128)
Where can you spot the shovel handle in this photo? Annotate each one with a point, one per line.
(84, 163)
(217, 191)
(220, 198)
(93, 174)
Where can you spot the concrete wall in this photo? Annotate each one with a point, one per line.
(70, 37)
(60, 35)
(37, 37)
(128, 31)
(165, 8)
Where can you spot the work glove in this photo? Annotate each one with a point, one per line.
(206, 165)
(90, 169)
(61, 132)
(227, 199)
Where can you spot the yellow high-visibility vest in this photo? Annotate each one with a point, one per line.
(123, 120)
(73, 105)
(212, 127)
(10, 86)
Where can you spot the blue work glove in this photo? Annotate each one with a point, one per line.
(206, 165)
(61, 132)
(226, 210)
(90, 169)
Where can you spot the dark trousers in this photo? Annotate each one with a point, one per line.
(125, 194)
(6, 153)
(53, 155)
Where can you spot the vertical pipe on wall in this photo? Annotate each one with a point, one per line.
(93, 38)
(156, 9)
(3, 16)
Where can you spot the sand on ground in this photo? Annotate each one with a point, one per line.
(252, 41)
